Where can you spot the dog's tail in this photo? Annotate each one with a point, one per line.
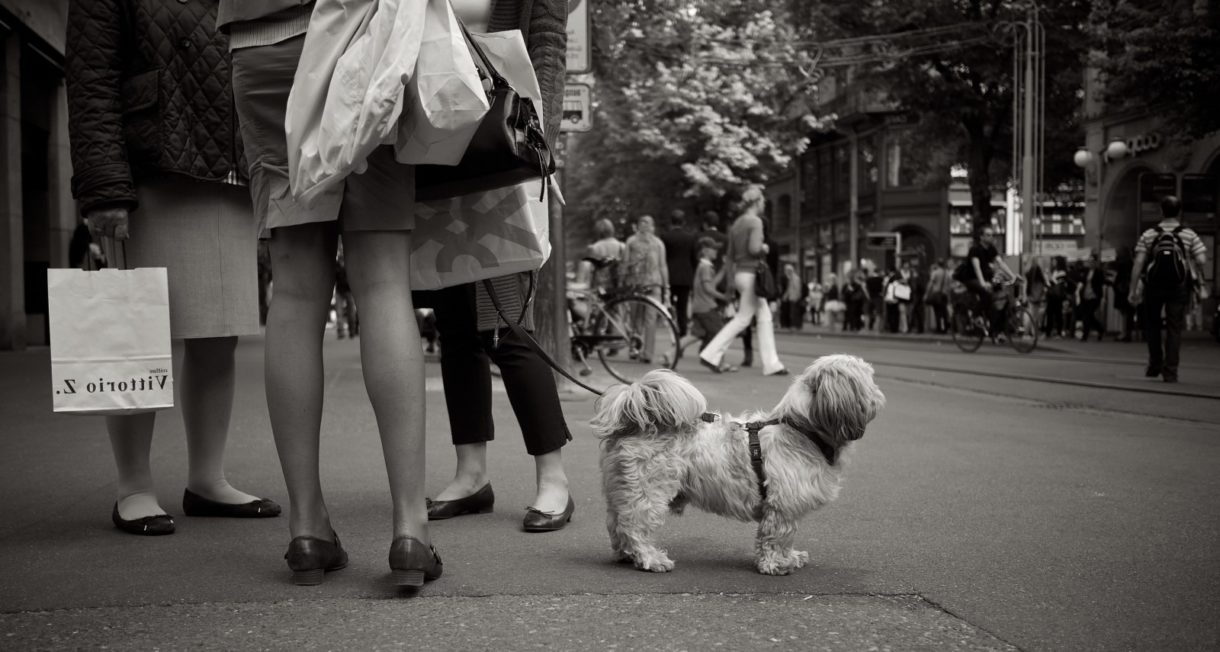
(662, 401)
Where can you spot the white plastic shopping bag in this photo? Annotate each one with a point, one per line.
(348, 92)
(110, 341)
(445, 97)
(480, 236)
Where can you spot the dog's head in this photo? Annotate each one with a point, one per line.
(661, 402)
(835, 397)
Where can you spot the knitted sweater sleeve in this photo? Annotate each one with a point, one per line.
(548, 43)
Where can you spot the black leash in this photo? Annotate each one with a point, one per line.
(515, 327)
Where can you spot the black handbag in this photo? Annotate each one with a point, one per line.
(764, 282)
(507, 149)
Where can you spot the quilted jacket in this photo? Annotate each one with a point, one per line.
(149, 92)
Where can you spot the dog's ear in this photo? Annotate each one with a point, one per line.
(844, 400)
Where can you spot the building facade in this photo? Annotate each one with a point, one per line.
(37, 214)
(857, 197)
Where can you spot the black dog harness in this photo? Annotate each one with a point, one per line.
(756, 459)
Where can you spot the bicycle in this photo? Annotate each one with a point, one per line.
(969, 328)
(621, 327)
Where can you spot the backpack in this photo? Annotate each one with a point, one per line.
(1167, 270)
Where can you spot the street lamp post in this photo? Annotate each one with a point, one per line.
(1086, 159)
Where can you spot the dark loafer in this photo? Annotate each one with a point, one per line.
(310, 558)
(540, 521)
(149, 526)
(195, 505)
(480, 502)
(412, 563)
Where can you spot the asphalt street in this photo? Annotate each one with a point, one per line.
(1056, 501)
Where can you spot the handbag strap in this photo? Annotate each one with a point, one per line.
(515, 327)
(497, 79)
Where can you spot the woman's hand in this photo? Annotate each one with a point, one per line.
(110, 222)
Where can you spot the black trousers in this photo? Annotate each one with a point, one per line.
(1086, 312)
(466, 355)
(1164, 357)
(681, 297)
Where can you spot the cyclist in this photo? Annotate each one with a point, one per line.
(975, 271)
(600, 268)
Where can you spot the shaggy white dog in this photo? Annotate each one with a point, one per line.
(662, 450)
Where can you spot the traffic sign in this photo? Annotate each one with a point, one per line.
(577, 108)
(580, 48)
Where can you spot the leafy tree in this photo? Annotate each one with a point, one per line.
(696, 100)
(1162, 54)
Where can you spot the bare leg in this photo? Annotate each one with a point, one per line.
(378, 266)
(131, 442)
(471, 472)
(303, 263)
(206, 380)
(552, 483)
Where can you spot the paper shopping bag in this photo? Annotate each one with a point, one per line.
(480, 236)
(110, 341)
(445, 97)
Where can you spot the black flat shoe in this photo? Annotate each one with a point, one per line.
(480, 502)
(311, 558)
(1152, 371)
(540, 521)
(412, 563)
(195, 505)
(149, 526)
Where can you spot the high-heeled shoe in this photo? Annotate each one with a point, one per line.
(482, 501)
(310, 558)
(149, 526)
(412, 563)
(195, 505)
(539, 521)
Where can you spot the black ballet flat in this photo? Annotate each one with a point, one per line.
(311, 558)
(149, 526)
(195, 505)
(412, 563)
(540, 521)
(480, 502)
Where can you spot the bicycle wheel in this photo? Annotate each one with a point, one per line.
(966, 334)
(635, 335)
(1022, 331)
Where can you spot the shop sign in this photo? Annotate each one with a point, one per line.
(1144, 143)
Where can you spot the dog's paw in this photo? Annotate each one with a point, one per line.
(798, 558)
(771, 565)
(661, 564)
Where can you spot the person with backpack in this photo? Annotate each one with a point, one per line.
(1164, 257)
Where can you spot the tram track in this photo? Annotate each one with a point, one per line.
(1150, 388)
